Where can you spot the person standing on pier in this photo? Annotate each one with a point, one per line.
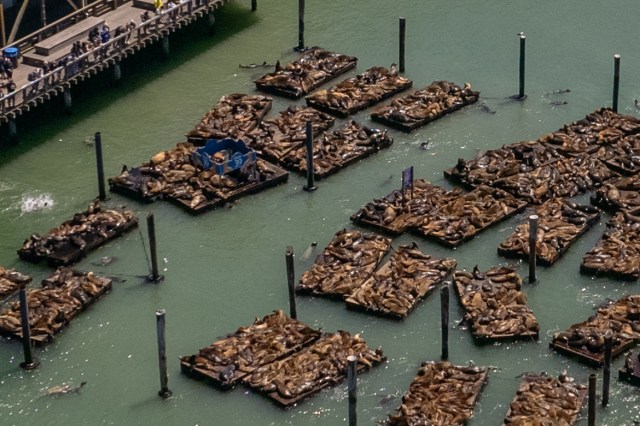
(158, 6)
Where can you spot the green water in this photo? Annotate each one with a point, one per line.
(227, 266)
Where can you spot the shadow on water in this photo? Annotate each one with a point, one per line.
(139, 70)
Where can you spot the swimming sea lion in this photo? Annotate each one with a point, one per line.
(307, 253)
(65, 389)
(485, 108)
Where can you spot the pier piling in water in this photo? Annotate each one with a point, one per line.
(101, 188)
(533, 239)
(352, 387)
(444, 316)
(29, 363)
(591, 419)
(300, 25)
(606, 369)
(310, 186)
(164, 391)
(67, 100)
(13, 130)
(254, 5)
(117, 72)
(403, 26)
(151, 227)
(521, 94)
(616, 81)
(291, 283)
(165, 46)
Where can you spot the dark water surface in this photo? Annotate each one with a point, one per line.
(227, 266)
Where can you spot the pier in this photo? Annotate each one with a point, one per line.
(52, 44)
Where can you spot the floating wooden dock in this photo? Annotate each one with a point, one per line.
(425, 105)
(617, 253)
(561, 223)
(359, 92)
(299, 78)
(10, 282)
(65, 294)
(441, 394)
(345, 263)
(401, 283)
(541, 399)
(73, 239)
(496, 308)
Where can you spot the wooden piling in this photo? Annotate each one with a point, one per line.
(254, 5)
(403, 26)
(151, 227)
(165, 45)
(300, 25)
(310, 186)
(444, 316)
(29, 363)
(591, 420)
(164, 391)
(533, 239)
(606, 369)
(616, 81)
(521, 94)
(13, 130)
(102, 195)
(67, 100)
(117, 72)
(352, 387)
(291, 283)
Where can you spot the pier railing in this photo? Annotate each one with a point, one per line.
(103, 56)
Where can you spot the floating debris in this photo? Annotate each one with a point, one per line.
(226, 361)
(541, 399)
(10, 282)
(496, 307)
(313, 69)
(232, 117)
(313, 368)
(561, 223)
(617, 253)
(346, 262)
(71, 241)
(359, 92)
(440, 394)
(64, 295)
(425, 105)
(396, 288)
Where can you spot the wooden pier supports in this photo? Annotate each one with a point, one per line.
(403, 26)
(117, 72)
(310, 186)
(155, 277)
(291, 283)
(165, 46)
(606, 369)
(101, 188)
(352, 387)
(533, 239)
(591, 419)
(616, 81)
(67, 100)
(211, 22)
(254, 5)
(444, 316)
(164, 391)
(13, 130)
(29, 363)
(300, 25)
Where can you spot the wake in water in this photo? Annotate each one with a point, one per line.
(32, 203)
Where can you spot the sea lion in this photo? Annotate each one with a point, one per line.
(105, 261)
(65, 389)
(485, 108)
(425, 145)
(264, 64)
(307, 253)
(558, 103)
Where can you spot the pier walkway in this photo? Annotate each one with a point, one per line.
(52, 44)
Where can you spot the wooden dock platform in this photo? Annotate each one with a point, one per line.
(54, 42)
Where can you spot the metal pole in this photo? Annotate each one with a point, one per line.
(29, 363)
(591, 421)
(444, 315)
(151, 227)
(521, 94)
(101, 189)
(352, 386)
(533, 239)
(616, 81)
(162, 355)
(606, 373)
(403, 26)
(311, 186)
(300, 25)
(290, 281)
